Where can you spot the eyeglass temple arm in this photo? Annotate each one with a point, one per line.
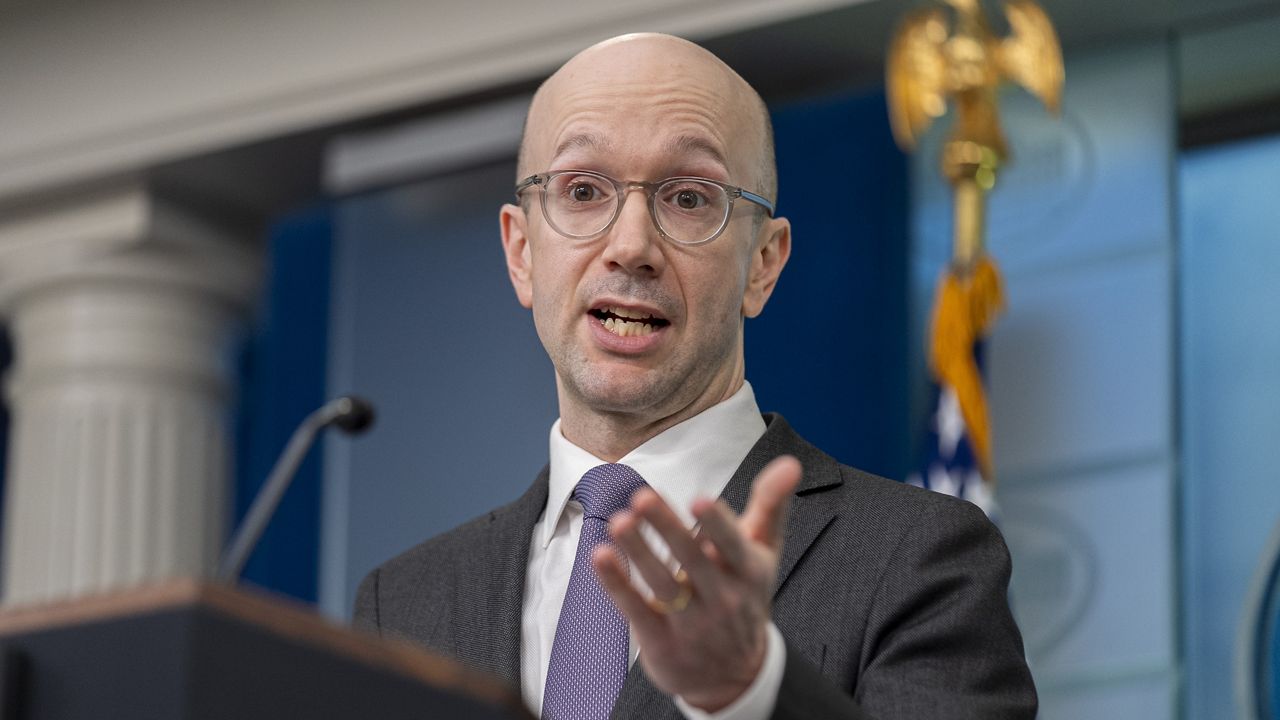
(528, 182)
(757, 199)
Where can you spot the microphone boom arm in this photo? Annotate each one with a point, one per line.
(350, 414)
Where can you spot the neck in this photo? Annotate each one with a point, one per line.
(610, 435)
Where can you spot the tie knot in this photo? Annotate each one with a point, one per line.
(606, 489)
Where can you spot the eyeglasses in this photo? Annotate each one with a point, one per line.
(583, 205)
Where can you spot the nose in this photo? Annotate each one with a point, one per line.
(633, 244)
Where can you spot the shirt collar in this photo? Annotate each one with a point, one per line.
(695, 458)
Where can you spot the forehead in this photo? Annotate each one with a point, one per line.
(644, 107)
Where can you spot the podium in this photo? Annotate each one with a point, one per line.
(184, 650)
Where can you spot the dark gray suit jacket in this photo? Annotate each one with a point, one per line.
(892, 599)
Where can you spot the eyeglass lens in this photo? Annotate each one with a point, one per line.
(584, 204)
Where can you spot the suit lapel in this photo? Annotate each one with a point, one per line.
(494, 604)
(809, 516)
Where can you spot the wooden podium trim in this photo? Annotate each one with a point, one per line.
(281, 616)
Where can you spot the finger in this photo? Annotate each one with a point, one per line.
(624, 528)
(684, 547)
(719, 525)
(613, 578)
(766, 513)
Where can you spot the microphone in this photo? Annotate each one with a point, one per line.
(352, 415)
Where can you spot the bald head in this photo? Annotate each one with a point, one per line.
(643, 108)
(652, 79)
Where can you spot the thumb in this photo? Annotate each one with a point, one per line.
(766, 515)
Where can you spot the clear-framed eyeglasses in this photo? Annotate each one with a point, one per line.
(583, 205)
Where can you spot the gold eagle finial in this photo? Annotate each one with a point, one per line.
(935, 58)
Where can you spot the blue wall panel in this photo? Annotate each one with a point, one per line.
(1230, 345)
(1093, 573)
(1086, 353)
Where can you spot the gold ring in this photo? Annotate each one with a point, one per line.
(677, 603)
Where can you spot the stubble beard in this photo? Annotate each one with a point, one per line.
(644, 395)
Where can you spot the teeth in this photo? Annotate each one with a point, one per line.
(624, 328)
(632, 314)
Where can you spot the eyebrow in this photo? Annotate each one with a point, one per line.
(590, 141)
(694, 145)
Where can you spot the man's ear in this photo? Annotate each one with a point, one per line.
(767, 261)
(515, 245)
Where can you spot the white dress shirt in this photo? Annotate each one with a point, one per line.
(694, 459)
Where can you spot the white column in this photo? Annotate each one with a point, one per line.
(121, 308)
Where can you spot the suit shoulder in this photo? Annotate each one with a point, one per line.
(442, 550)
(896, 495)
(405, 579)
(460, 544)
(411, 591)
(892, 509)
(888, 507)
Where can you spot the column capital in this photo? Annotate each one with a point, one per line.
(123, 231)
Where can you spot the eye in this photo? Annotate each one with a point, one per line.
(582, 192)
(690, 200)
(688, 196)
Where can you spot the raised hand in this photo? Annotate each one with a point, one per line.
(703, 633)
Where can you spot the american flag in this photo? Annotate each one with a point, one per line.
(949, 466)
(957, 458)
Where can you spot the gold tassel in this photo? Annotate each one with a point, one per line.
(965, 310)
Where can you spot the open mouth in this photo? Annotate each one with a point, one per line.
(628, 323)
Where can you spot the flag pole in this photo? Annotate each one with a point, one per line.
(948, 55)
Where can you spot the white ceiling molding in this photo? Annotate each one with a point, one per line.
(92, 89)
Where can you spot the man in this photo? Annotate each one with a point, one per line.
(643, 237)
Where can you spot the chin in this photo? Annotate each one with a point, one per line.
(625, 390)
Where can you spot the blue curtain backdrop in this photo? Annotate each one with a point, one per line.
(283, 379)
(829, 352)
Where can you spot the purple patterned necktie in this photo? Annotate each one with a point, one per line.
(590, 651)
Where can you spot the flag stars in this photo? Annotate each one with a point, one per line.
(949, 422)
